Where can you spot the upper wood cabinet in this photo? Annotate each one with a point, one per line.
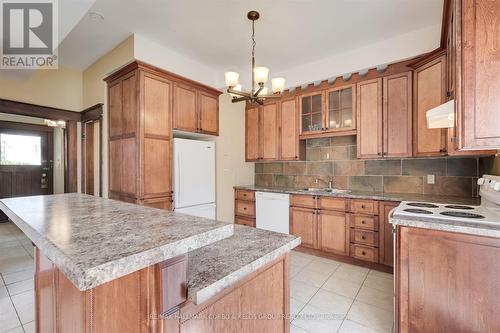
(340, 109)
(397, 115)
(429, 91)
(195, 110)
(261, 134)
(290, 147)
(369, 116)
(478, 73)
(311, 113)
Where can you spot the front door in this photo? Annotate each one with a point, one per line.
(26, 155)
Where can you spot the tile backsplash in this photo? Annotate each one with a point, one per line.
(336, 158)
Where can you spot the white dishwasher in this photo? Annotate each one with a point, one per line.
(272, 211)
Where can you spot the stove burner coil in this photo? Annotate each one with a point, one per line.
(417, 211)
(462, 214)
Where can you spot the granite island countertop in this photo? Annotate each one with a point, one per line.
(369, 195)
(94, 240)
(219, 265)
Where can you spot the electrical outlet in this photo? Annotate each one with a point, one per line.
(327, 156)
(431, 180)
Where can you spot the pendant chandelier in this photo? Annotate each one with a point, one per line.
(260, 76)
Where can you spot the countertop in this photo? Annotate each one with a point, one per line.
(471, 227)
(94, 240)
(217, 266)
(370, 195)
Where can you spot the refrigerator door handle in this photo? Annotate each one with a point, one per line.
(179, 181)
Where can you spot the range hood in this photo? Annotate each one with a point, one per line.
(442, 116)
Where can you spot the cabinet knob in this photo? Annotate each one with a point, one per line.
(244, 194)
(363, 222)
(363, 206)
(363, 237)
(379, 154)
(244, 208)
(363, 253)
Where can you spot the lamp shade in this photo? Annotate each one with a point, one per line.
(261, 74)
(278, 85)
(231, 78)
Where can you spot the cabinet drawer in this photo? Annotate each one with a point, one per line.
(245, 195)
(249, 222)
(307, 201)
(364, 207)
(366, 222)
(245, 208)
(364, 237)
(364, 252)
(332, 203)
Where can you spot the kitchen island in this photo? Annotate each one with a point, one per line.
(107, 266)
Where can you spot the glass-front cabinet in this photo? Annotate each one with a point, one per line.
(311, 113)
(340, 115)
(328, 111)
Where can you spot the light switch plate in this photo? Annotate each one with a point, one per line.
(431, 180)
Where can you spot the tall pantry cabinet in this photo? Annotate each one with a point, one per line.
(141, 99)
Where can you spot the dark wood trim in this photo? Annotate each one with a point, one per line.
(445, 22)
(426, 58)
(12, 125)
(70, 167)
(92, 113)
(137, 64)
(38, 111)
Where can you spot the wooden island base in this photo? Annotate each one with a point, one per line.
(134, 303)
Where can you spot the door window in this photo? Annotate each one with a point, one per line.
(20, 149)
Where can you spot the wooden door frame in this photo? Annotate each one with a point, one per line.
(91, 115)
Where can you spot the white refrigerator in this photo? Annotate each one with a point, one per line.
(194, 177)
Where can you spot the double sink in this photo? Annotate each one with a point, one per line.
(324, 190)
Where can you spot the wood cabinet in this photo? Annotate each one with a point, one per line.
(478, 73)
(446, 282)
(244, 207)
(140, 136)
(429, 91)
(386, 235)
(290, 147)
(312, 113)
(369, 115)
(384, 112)
(303, 223)
(262, 134)
(333, 231)
(195, 110)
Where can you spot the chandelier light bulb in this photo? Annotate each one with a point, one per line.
(231, 79)
(261, 74)
(278, 85)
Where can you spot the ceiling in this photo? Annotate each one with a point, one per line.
(217, 32)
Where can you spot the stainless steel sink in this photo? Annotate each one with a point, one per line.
(327, 190)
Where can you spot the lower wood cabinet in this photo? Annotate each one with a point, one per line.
(244, 207)
(303, 223)
(333, 232)
(386, 244)
(446, 282)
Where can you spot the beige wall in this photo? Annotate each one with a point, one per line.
(94, 91)
(59, 88)
(231, 167)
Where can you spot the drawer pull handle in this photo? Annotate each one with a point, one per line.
(363, 222)
(244, 194)
(244, 208)
(363, 237)
(363, 206)
(363, 253)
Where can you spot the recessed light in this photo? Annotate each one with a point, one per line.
(95, 16)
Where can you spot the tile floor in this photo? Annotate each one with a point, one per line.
(326, 295)
(16, 281)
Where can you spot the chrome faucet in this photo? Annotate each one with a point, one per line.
(330, 182)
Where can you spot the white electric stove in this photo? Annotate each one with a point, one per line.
(488, 212)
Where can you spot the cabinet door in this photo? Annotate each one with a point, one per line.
(303, 223)
(429, 90)
(340, 109)
(479, 103)
(269, 131)
(397, 116)
(289, 134)
(386, 243)
(208, 113)
(333, 232)
(115, 108)
(252, 138)
(311, 114)
(185, 116)
(369, 114)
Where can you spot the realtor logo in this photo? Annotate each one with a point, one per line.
(29, 33)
